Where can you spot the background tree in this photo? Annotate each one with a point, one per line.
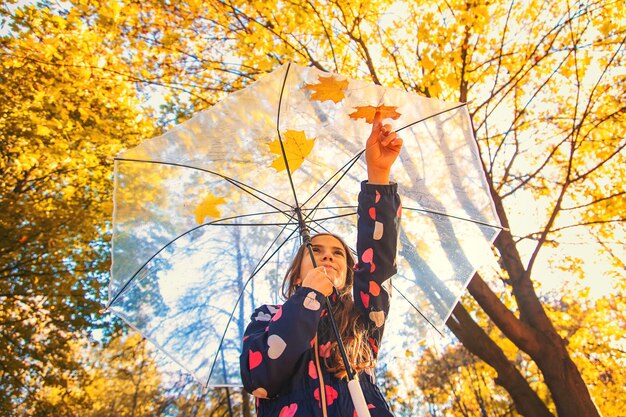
(61, 120)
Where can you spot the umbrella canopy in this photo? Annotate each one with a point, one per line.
(206, 215)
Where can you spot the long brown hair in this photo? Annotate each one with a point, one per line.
(351, 329)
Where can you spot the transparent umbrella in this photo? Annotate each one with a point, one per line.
(208, 216)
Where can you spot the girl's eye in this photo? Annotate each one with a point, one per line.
(339, 253)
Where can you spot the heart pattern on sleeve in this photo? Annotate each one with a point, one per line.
(368, 258)
(310, 302)
(254, 359)
(378, 231)
(374, 288)
(260, 393)
(263, 316)
(288, 410)
(276, 346)
(377, 317)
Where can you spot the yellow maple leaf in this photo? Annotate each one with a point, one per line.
(329, 88)
(368, 113)
(297, 148)
(208, 208)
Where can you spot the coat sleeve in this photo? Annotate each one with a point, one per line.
(378, 223)
(276, 340)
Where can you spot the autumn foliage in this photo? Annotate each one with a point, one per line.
(542, 327)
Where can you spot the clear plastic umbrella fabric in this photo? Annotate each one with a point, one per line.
(204, 222)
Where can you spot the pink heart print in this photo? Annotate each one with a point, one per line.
(374, 288)
(278, 314)
(331, 394)
(325, 350)
(288, 410)
(254, 359)
(377, 196)
(373, 345)
(365, 298)
(372, 212)
(312, 370)
(368, 257)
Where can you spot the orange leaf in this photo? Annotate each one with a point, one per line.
(368, 113)
(208, 208)
(329, 88)
(297, 147)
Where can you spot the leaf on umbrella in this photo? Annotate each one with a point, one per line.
(368, 113)
(297, 148)
(329, 88)
(208, 208)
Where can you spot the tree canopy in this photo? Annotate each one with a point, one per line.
(546, 90)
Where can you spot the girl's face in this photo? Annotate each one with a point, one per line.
(330, 254)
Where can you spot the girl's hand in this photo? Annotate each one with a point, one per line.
(381, 150)
(319, 280)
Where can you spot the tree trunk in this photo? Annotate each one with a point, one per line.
(476, 341)
(533, 332)
(245, 402)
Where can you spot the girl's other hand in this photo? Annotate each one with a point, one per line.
(318, 279)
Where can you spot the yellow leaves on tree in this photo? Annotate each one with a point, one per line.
(55, 166)
(329, 88)
(296, 148)
(208, 208)
(368, 113)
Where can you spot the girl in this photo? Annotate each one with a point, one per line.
(290, 360)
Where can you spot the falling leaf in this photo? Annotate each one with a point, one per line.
(297, 147)
(208, 208)
(368, 113)
(329, 88)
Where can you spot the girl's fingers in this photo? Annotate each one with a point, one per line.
(389, 138)
(396, 145)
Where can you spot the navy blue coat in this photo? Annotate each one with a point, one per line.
(278, 361)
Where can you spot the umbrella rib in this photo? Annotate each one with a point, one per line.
(452, 216)
(256, 270)
(244, 187)
(439, 213)
(416, 309)
(280, 138)
(431, 116)
(216, 222)
(345, 170)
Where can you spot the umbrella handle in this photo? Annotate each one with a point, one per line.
(354, 387)
(360, 405)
